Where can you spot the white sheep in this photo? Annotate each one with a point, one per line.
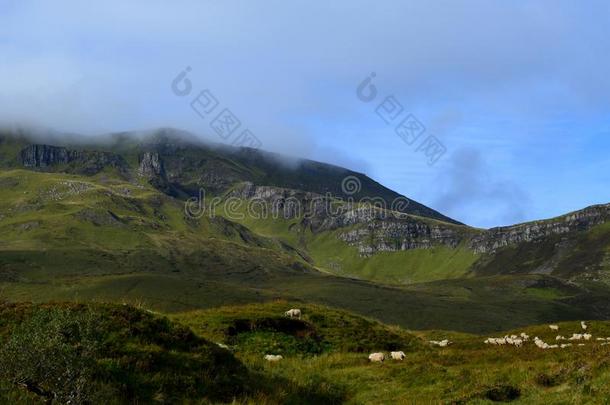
(587, 336)
(563, 346)
(377, 357)
(295, 312)
(559, 337)
(524, 336)
(442, 343)
(554, 327)
(273, 357)
(222, 346)
(397, 355)
(583, 325)
(538, 342)
(576, 336)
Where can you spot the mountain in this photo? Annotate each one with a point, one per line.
(117, 218)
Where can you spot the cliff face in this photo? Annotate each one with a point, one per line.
(580, 221)
(81, 162)
(151, 166)
(374, 230)
(45, 156)
(371, 228)
(401, 234)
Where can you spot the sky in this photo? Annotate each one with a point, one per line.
(517, 93)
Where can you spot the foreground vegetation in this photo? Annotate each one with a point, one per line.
(70, 353)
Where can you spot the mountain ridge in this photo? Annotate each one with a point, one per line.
(109, 223)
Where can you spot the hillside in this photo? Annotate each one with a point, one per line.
(101, 353)
(106, 221)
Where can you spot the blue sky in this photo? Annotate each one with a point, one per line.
(518, 92)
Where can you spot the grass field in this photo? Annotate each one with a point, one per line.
(129, 355)
(100, 239)
(468, 371)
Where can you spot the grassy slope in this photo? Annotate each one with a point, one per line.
(467, 371)
(101, 245)
(582, 256)
(332, 255)
(402, 267)
(124, 356)
(142, 357)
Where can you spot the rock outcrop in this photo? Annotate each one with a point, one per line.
(45, 156)
(374, 229)
(76, 161)
(580, 221)
(371, 227)
(151, 166)
(396, 234)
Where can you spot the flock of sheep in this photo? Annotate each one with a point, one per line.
(518, 341)
(513, 340)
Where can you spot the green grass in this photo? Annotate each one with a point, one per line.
(121, 355)
(402, 267)
(262, 328)
(105, 244)
(468, 371)
(127, 355)
(330, 254)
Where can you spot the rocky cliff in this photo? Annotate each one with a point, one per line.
(374, 229)
(370, 227)
(73, 161)
(579, 221)
(45, 156)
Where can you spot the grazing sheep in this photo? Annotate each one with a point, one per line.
(518, 342)
(576, 336)
(538, 342)
(563, 346)
(583, 325)
(273, 357)
(397, 355)
(377, 357)
(554, 327)
(524, 336)
(295, 312)
(552, 346)
(442, 343)
(587, 336)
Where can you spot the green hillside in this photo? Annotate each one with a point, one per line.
(69, 232)
(117, 354)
